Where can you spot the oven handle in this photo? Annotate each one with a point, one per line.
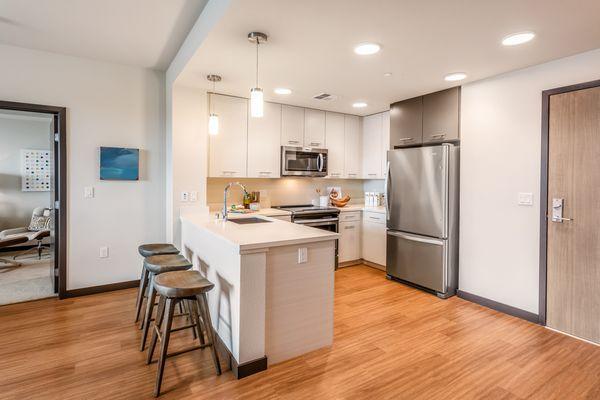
(330, 221)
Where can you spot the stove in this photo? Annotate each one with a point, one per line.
(326, 218)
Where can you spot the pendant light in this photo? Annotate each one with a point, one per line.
(256, 93)
(213, 118)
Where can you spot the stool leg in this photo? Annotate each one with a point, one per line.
(160, 312)
(164, 343)
(209, 330)
(141, 293)
(149, 308)
(187, 307)
(193, 306)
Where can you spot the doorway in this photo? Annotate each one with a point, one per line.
(32, 202)
(570, 220)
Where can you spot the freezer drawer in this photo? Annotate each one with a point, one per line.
(418, 259)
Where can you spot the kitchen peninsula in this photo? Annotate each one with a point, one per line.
(274, 281)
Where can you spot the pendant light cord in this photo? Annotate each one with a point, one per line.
(257, 43)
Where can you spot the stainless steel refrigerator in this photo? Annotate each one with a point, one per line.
(422, 217)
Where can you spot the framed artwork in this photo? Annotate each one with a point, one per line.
(36, 170)
(119, 164)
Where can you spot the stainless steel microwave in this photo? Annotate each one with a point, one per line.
(303, 161)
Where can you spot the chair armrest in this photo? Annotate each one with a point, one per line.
(14, 231)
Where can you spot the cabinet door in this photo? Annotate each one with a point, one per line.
(406, 122)
(264, 143)
(352, 147)
(334, 142)
(349, 242)
(385, 142)
(440, 115)
(371, 148)
(373, 241)
(314, 128)
(292, 126)
(228, 149)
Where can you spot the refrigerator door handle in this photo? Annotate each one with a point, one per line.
(387, 192)
(415, 238)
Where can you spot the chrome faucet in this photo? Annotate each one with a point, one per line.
(225, 197)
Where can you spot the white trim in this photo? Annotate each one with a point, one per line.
(573, 336)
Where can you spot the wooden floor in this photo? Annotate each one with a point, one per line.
(391, 342)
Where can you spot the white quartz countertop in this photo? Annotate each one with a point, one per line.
(260, 235)
(267, 212)
(362, 207)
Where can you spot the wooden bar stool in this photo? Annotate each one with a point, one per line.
(148, 250)
(173, 288)
(156, 265)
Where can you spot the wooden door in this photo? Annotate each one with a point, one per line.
(573, 264)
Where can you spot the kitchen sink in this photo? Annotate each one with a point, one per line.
(251, 220)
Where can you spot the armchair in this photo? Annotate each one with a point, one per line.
(38, 229)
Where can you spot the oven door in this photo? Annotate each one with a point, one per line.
(303, 161)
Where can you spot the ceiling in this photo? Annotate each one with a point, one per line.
(310, 48)
(145, 33)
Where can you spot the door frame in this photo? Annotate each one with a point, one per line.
(544, 188)
(60, 192)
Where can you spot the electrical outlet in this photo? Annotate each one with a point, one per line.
(185, 196)
(302, 255)
(193, 195)
(88, 192)
(104, 252)
(525, 199)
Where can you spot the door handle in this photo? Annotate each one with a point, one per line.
(557, 211)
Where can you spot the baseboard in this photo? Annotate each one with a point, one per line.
(374, 265)
(361, 261)
(249, 368)
(504, 308)
(101, 289)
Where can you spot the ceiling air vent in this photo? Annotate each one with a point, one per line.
(325, 96)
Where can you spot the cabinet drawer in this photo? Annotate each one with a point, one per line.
(376, 218)
(350, 216)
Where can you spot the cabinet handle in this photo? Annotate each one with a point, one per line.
(265, 172)
(437, 136)
(335, 174)
(315, 143)
(349, 227)
(293, 142)
(372, 174)
(351, 174)
(405, 139)
(375, 218)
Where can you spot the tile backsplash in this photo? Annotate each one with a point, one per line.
(283, 191)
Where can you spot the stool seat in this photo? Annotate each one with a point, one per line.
(153, 249)
(166, 263)
(182, 284)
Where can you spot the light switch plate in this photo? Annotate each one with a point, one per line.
(525, 199)
(88, 192)
(193, 196)
(185, 196)
(302, 255)
(104, 252)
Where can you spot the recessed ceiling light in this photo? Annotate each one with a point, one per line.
(365, 49)
(455, 76)
(518, 38)
(359, 104)
(282, 90)
(387, 74)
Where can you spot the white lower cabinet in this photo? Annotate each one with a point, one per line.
(349, 241)
(374, 237)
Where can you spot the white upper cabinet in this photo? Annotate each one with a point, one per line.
(228, 149)
(292, 126)
(352, 147)
(334, 142)
(314, 128)
(385, 142)
(264, 141)
(372, 132)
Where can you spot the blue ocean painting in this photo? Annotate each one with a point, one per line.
(117, 163)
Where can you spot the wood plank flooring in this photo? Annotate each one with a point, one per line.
(391, 342)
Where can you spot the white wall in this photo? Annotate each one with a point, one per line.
(500, 157)
(107, 105)
(19, 132)
(189, 144)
